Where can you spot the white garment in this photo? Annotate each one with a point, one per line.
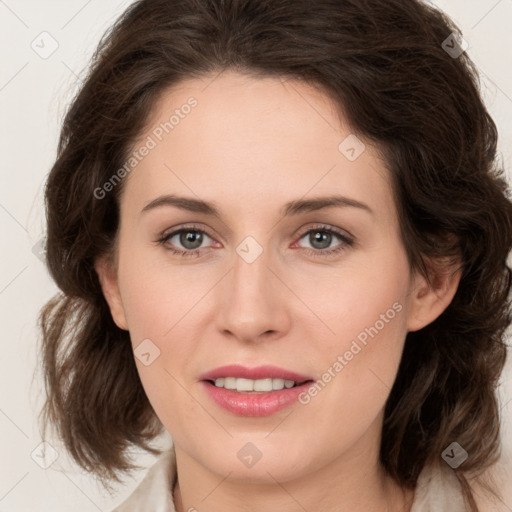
(436, 491)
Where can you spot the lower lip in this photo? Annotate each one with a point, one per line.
(254, 404)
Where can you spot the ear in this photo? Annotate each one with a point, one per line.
(430, 299)
(107, 275)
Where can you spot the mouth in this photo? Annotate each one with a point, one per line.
(260, 391)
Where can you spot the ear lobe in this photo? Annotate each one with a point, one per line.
(430, 299)
(107, 276)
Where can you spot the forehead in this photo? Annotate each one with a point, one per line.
(233, 135)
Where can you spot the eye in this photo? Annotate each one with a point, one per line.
(320, 239)
(190, 238)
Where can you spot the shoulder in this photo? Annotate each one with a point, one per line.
(154, 492)
(498, 478)
(438, 489)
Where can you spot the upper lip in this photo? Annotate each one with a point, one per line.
(257, 372)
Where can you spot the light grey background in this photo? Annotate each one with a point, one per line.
(34, 92)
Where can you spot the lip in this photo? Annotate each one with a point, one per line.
(258, 372)
(254, 404)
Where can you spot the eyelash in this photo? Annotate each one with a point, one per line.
(312, 252)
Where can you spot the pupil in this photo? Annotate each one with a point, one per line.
(323, 237)
(189, 237)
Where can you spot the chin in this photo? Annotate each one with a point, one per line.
(247, 459)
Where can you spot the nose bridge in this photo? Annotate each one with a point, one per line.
(252, 304)
(250, 272)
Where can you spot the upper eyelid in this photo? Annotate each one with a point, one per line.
(174, 231)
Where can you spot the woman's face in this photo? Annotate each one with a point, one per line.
(274, 283)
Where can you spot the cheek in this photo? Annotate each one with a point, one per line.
(157, 320)
(366, 304)
(157, 293)
(368, 355)
(366, 312)
(162, 308)
(356, 375)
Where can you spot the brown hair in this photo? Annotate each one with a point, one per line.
(385, 66)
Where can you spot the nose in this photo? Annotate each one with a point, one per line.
(253, 301)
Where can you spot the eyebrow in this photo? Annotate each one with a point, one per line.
(292, 208)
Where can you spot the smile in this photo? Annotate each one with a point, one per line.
(256, 391)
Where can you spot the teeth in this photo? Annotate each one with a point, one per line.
(261, 385)
(245, 385)
(229, 383)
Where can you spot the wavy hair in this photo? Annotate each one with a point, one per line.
(385, 66)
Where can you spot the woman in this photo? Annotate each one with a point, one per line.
(281, 236)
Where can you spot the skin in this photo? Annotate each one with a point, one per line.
(250, 146)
